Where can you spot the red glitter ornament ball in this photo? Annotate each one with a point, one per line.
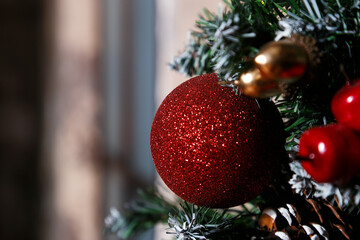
(215, 148)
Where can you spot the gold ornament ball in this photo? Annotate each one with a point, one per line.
(252, 83)
(282, 60)
(277, 64)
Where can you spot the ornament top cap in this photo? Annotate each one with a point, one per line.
(282, 60)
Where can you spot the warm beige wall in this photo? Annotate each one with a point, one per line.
(174, 20)
(72, 170)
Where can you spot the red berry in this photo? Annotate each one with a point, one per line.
(345, 105)
(331, 153)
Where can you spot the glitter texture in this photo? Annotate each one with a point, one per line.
(214, 148)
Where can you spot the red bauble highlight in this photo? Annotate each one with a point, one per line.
(215, 148)
(331, 153)
(345, 105)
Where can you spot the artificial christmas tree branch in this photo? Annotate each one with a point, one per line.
(184, 219)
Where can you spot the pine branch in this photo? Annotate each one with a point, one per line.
(196, 58)
(141, 214)
(193, 222)
(335, 25)
(300, 115)
(225, 42)
(187, 222)
(198, 223)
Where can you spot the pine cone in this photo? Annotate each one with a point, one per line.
(308, 219)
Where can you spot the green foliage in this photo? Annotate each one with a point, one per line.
(193, 222)
(299, 116)
(187, 222)
(227, 42)
(141, 214)
(335, 27)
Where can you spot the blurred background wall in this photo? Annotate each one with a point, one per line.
(79, 85)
